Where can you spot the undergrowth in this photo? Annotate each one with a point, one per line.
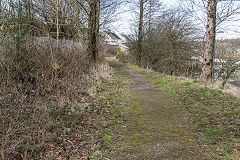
(54, 104)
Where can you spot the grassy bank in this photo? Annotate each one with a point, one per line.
(112, 117)
(215, 116)
(54, 103)
(51, 126)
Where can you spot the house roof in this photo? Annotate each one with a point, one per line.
(216, 60)
(125, 37)
(113, 35)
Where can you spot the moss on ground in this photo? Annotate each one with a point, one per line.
(154, 126)
(215, 116)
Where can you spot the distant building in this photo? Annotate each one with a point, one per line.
(197, 59)
(124, 38)
(112, 38)
(219, 62)
(238, 51)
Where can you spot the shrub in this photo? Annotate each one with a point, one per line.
(107, 49)
(118, 52)
(39, 88)
(168, 47)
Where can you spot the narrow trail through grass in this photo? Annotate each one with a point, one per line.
(155, 127)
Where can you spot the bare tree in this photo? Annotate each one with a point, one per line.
(218, 12)
(231, 65)
(93, 28)
(153, 10)
(227, 10)
(169, 45)
(150, 15)
(0, 14)
(206, 75)
(109, 11)
(229, 60)
(146, 12)
(57, 19)
(99, 13)
(140, 33)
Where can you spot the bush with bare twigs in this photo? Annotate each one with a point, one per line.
(44, 90)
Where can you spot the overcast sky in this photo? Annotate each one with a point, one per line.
(124, 24)
(231, 29)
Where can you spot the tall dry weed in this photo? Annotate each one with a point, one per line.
(39, 85)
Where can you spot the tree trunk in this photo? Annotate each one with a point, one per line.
(207, 70)
(1, 15)
(150, 16)
(57, 20)
(97, 26)
(93, 29)
(140, 35)
(19, 34)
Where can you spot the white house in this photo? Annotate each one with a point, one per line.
(111, 38)
(115, 39)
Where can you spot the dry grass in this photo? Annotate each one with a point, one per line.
(44, 95)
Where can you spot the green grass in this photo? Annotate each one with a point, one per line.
(112, 97)
(214, 115)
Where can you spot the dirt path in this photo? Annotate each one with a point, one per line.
(155, 127)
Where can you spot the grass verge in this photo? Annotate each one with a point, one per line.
(215, 116)
(114, 98)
